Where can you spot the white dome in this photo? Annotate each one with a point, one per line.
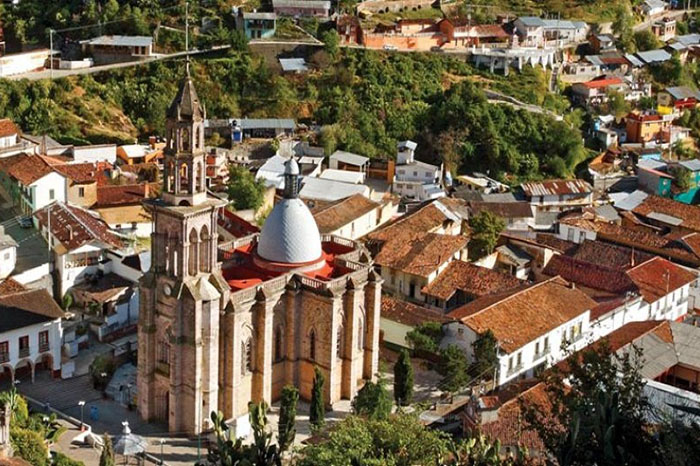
(290, 234)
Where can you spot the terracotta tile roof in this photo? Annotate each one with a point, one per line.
(551, 241)
(511, 429)
(520, 317)
(693, 242)
(632, 331)
(616, 257)
(657, 277)
(407, 313)
(598, 83)
(74, 226)
(9, 286)
(556, 187)
(28, 307)
(79, 173)
(606, 306)
(426, 219)
(473, 280)
(7, 128)
(114, 195)
(235, 225)
(421, 255)
(590, 275)
(29, 168)
(504, 209)
(689, 214)
(7, 162)
(338, 214)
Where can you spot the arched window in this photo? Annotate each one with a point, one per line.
(198, 177)
(192, 263)
(278, 344)
(164, 350)
(246, 357)
(361, 334)
(339, 342)
(204, 249)
(312, 345)
(185, 135)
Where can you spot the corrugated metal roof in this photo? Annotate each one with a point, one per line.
(120, 41)
(634, 61)
(330, 190)
(652, 164)
(293, 64)
(668, 402)
(408, 144)
(556, 187)
(558, 24)
(306, 4)
(632, 201)
(265, 123)
(342, 175)
(687, 340)
(683, 92)
(349, 158)
(531, 21)
(689, 39)
(677, 46)
(654, 56)
(664, 218)
(692, 165)
(259, 15)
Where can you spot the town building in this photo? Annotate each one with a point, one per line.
(79, 241)
(597, 91)
(534, 327)
(257, 25)
(530, 30)
(341, 160)
(320, 191)
(8, 253)
(664, 29)
(281, 302)
(399, 318)
(642, 128)
(304, 8)
(121, 207)
(602, 43)
(114, 49)
(34, 184)
(261, 128)
(353, 217)
(10, 142)
(413, 179)
(131, 154)
(653, 8)
(31, 335)
(678, 98)
(558, 195)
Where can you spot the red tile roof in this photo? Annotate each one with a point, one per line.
(331, 217)
(518, 318)
(74, 226)
(689, 214)
(79, 173)
(235, 225)
(28, 169)
(598, 83)
(7, 128)
(504, 209)
(632, 331)
(113, 195)
(473, 280)
(407, 313)
(9, 286)
(658, 277)
(421, 255)
(590, 275)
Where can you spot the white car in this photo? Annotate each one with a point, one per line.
(390, 47)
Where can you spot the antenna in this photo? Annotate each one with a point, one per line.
(187, 29)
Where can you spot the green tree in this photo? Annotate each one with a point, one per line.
(331, 41)
(485, 357)
(403, 379)
(244, 191)
(486, 228)
(682, 177)
(425, 337)
(623, 27)
(317, 410)
(29, 445)
(400, 440)
(372, 400)
(617, 105)
(646, 40)
(454, 369)
(107, 455)
(598, 415)
(59, 459)
(288, 413)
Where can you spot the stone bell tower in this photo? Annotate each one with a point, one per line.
(183, 292)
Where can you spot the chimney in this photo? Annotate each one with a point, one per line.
(572, 285)
(70, 232)
(146, 187)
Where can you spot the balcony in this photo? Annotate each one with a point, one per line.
(4, 357)
(44, 347)
(514, 369)
(544, 352)
(23, 352)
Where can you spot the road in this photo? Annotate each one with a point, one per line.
(671, 14)
(498, 98)
(48, 74)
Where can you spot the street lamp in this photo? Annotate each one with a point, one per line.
(162, 442)
(81, 403)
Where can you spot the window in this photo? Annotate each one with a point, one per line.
(520, 359)
(415, 173)
(312, 345)
(537, 347)
(428, 174)
(164, 351)
(7, 256)
(51, 194)
(4, 351)
(278, 344)
(81, 192)
(546, 343)
(44, 340)
(246, 357)
(510, 363)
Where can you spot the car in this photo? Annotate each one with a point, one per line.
(390, 47)
(436, 48)
(26, 222)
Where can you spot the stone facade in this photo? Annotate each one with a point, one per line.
(205, 345)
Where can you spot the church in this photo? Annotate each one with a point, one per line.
(222, 325)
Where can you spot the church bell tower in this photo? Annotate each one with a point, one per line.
(183, 292)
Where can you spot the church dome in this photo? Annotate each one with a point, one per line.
(290, 234)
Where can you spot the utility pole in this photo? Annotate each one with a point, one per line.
(187, 27)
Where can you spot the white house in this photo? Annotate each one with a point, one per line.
(341, 160)
(8, 254)
(413, 179)
(30, 331)
(95, 153)
(558, 195)
(530, 30)
(79, 239)
(653, 8)
(36, 183)
(9, 137)
(534, 327)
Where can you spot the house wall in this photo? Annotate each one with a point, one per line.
(95, 153)
(634, 310)
(367, 223)
(424, 41)
(72, 268)
(394, 332)
(41, 192)
(23, 62)
(8, 141)
(8, 259)
(395, 6)
(88, 190)
(32, 331)
(575, 234)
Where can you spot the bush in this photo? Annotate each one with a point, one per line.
(29, 446)
(426, 337)
(103, 364)
(59, 459)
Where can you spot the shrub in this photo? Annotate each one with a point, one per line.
(29, 446)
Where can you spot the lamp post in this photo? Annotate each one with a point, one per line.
(81, 403)
(162, 442)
